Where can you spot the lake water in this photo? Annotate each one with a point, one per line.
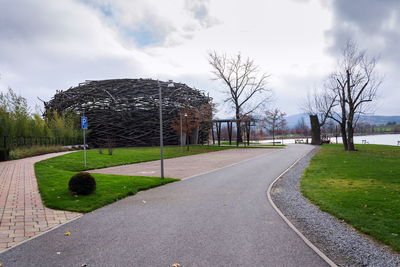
(382, 139)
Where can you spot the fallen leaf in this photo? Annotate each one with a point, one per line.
(67, 233)
(176, 265)
(144, 201)
(58, 253)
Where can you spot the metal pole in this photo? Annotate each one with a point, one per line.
(161, 132)
(84, 148)
(187, 134)
(84, 141)
(180, 115)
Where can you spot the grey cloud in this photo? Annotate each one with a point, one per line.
(48, 45)
(136, 22)
(22, 20)
(152, 31)
(301, 1)
(200, 11)
(374, 24)
(289, 87)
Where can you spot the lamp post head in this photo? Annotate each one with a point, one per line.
(170, 84)
(185, 114)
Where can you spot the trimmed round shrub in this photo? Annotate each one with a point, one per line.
(82, 183)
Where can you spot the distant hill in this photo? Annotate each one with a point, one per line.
(380, 120)
(292, 120)
(377, 120)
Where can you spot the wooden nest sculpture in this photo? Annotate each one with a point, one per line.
(125, 112)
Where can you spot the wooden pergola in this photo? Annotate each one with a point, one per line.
(217, 124)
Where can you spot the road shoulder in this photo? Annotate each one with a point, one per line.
(339, 241)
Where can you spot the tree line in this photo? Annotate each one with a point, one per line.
(17, 121)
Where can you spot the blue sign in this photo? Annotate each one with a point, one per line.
(84, 123)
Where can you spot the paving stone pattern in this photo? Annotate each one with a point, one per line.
(22, 213)
(184, 167)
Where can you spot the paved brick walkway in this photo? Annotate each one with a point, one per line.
(22, 213)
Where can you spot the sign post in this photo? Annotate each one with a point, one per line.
(84, 126)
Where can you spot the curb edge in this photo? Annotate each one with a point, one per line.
(286, 220)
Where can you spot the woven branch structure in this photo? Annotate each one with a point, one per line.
(126, 111)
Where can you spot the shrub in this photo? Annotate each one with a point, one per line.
(82, 183)
(24, 152)
(4, 154)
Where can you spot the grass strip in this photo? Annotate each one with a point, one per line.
(360, 187)
(53, 175)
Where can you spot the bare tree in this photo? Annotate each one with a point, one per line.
(354, 83)
(244, 82)
(275, 119)
(318, 106)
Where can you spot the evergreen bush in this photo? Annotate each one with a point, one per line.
(82, 183)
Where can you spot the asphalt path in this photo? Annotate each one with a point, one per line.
(221, 218)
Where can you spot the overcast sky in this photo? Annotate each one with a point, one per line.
(49, 45)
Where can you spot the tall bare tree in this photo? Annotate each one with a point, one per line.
(275, 119)
(354, 83)
(318, 106)
(246, 85)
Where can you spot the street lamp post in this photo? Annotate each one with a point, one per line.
(187, 130)
(181, 142)
(170, 84)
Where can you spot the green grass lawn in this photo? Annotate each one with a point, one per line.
(361, 188)
(53, 175)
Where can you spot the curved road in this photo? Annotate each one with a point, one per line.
(222, 218)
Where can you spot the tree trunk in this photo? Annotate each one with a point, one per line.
(238, 133)
(350, 129)
(195, 136)
(344, 136)
(350, 135)
(273, 135)
(238, 129)
(315, 130)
